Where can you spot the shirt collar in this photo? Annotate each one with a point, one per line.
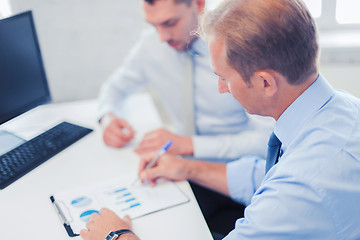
(198, 48)
(295, 116)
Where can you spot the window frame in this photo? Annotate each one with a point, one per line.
(327, 20)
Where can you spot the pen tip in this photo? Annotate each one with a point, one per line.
(168, 145)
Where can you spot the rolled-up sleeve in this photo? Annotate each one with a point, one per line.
(244, 176)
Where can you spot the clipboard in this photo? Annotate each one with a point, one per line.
(63, 218)
(75, 206)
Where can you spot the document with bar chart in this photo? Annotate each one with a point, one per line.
(76, 206)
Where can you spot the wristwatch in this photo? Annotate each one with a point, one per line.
(113, 235)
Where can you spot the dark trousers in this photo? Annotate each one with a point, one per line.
(220, 212)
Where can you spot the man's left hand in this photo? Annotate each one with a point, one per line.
(154, 140)
(99, 226)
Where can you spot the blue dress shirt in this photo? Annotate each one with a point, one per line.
(313, 192)
(224, 129)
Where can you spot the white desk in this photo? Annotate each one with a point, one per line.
(25, 209)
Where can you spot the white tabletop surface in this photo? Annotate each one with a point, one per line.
(25, 209)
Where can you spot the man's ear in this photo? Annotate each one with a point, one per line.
(200, 6)
(267, 81)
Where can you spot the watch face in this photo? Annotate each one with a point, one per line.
(111, 236)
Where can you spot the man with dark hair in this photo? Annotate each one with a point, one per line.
(265, 53)
(177, 65)
(206, 125)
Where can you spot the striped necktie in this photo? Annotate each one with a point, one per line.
(273, 153)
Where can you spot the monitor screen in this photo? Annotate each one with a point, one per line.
(23, 83)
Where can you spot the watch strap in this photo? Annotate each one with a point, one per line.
(123, 231)
(116, 234)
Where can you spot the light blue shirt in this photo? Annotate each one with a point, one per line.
(313, 192)
(224, 129)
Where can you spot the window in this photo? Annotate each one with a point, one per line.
(314, 7)
(326, 12)
(347, 11)
(5, 9)
(338, 22)
(339, 14)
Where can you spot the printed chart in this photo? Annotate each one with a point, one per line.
(78, 205)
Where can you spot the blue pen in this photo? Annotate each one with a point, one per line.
(158, 155)
(156, 158)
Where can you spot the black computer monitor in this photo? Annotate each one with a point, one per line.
(23, 83)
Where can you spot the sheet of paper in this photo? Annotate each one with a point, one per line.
(120, 196)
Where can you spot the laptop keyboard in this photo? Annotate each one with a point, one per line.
(24, 158)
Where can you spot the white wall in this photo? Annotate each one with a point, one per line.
(340, 59)
(344, 76)
(82, 42)
(5, 9)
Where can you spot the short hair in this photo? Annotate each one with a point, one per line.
(187, 2)
(277, 35)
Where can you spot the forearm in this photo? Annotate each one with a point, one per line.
(208, 174)
(186, 146)
(128, 236)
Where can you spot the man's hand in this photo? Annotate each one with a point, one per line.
(208, 174)
(168, 166)
(117, 132)
(99, 226)
(154, 140)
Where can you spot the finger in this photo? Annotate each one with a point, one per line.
(150, 174)
(125, 128)
(141, 149)
(90, 224)
(144, 160)
(129, 130)
(146, 141)
(113, 128)
(153, 183)
(119, 128)
(119, 142)
(127, 219)
(150, 135)
(148, 145)
(104, 211)
(115, 141)
(94, 216)
(121, 133)
(84, 233)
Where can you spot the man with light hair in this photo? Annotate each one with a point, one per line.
(265, 53)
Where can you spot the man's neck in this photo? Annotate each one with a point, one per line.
(290, 93)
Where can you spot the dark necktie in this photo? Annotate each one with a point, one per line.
(273, 153)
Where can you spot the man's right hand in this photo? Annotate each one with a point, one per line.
(168, 166)
(117, 132)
